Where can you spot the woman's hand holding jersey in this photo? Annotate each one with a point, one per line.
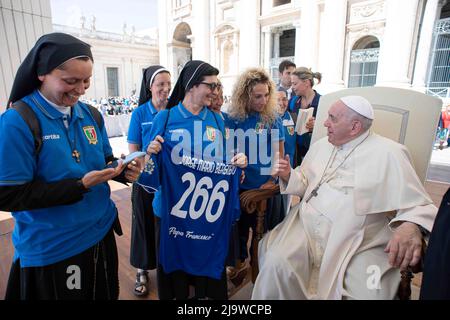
(155, 146)
(240, 160)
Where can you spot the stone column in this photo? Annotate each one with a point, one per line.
(332, 55)
(424, 48)
(22, 23)
(309, 34)
(163, 30)
(267, 47)
(298, 47)
(276, 44)
(249, 28)
(235, 61)
(200, 28)
(396, 50)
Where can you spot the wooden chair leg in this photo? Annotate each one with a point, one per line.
(404, 289)
(259, 232)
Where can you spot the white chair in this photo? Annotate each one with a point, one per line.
(405, 116)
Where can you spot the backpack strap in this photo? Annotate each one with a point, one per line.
(29, 116)
(97, 116)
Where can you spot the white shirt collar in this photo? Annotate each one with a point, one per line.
(62, 109)
(351, 144)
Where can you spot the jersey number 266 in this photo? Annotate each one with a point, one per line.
(201, 189)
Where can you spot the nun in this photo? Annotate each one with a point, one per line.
(197, 257)
(59, 195)
(155, 89)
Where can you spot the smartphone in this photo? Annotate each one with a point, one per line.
(132, 156)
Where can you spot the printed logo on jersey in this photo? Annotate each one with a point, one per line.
(91, 134)
(259, 127)
(51, 137)
(149, 166)
(290, 130)
(211, 133)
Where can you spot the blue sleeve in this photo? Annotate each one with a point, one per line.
(237, 203)
(107, 150)
(17, 160)
(292, 103)
(150, 177)
(229, 123)
(134, 130)
(158, 127)
(278, 124)
(156, 204)
(299, 139)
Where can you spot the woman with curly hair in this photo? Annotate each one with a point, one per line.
(259, 134)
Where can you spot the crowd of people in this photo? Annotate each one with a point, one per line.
(362, 203)
(443, 130)
(114, 106)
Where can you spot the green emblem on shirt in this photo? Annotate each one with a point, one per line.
(91, 134)
(211, 133)
(259, 127)
(290, 130)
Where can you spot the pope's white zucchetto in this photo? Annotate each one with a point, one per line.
(360, 105)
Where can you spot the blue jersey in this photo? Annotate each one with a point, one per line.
(139, 133)
(200, 195)
(141, 124)
(255, 139)
(292, 102)
(229, 124)
(49, 235)
(290, 136)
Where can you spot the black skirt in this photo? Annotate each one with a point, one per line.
(143, 243)
(90, 275)
(176, 285)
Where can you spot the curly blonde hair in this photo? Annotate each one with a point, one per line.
(242, 92)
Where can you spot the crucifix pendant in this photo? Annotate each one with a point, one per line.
(313, 194)
(76, 155)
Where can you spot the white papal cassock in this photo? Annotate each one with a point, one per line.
(332, 246)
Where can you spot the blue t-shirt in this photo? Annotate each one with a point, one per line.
(49, 235)
(141, 124)
(255, 139)
(229, 123)
(294, 106)
(290, 136)
(201, 195)
(139, 133)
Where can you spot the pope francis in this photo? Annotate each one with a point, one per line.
(362, 215)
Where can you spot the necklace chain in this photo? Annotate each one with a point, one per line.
(322, 180)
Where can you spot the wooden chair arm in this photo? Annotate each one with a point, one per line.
(252, 199)
(255, 201)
